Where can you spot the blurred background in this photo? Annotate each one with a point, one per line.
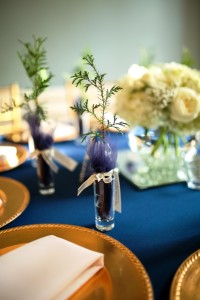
(115, 31)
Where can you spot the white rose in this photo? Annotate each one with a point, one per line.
(136, 71)
(185, 106)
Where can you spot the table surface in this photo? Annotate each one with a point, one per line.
(161, 225)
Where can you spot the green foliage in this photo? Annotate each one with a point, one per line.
(33, 58)
(187, 59)
(9, 107)
(86, 80)
(79, 65)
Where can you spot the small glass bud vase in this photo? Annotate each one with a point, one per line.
(42, 136)
(192, 164)
(46, 180)
(104, 203)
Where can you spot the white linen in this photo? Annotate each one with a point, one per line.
(47, 268)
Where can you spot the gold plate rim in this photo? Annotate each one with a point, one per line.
(22, 155)
(130, 255)
(22, 203)
(177, 282)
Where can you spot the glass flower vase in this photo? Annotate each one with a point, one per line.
(46, 180)
(104, 203)
(152, 162)
(42, 136)
(192, 163)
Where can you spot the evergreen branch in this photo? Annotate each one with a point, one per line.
(92, 134)
(112, 91)
(9, 107)
(116, 124)
(41, 113)
(33, 59)
(86, 80)
(81, 108)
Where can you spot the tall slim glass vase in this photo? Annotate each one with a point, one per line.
(104, 203)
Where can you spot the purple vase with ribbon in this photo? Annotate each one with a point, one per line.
(43, 142)
(103, 161)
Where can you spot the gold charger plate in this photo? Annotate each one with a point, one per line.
(15, 197)
(123, 276)
(11, 156)
(186, 282)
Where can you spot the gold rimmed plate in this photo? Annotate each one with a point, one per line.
(186, 282)
(14, 199)
(123, 277)
(11, 156)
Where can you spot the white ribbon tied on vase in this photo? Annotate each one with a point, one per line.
(107, 177)
(53, 154)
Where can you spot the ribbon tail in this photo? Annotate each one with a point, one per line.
(33, 154)
(50, 162)
(117, 195)
(64, 160)
(86, 183)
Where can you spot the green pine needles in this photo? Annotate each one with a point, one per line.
(33, 58)
(86, 79)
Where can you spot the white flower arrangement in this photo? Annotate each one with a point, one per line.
(165, 95)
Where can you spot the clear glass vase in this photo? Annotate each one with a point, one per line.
(42, 137)
(146, 167)
(46, 180)
(192, 163)
(104, 203)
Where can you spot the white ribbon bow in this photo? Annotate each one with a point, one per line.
(107, 177)
(50, 154)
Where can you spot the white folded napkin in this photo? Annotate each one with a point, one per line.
(47, 268)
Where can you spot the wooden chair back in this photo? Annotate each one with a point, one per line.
(10, 121)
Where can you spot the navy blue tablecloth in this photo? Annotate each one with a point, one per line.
(161, 225)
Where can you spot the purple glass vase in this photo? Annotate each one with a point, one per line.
(103, 157)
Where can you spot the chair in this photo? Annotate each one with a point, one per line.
(55, 102)
(11, 121)
(14, 128)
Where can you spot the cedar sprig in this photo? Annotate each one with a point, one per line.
(9, 107)
(33, 59)
(86, 80)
